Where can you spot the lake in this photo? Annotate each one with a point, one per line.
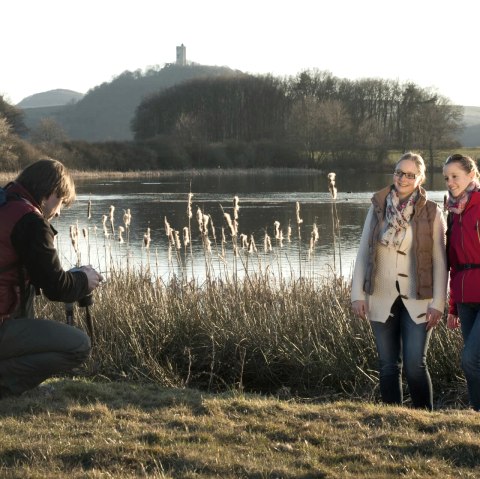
(264, 198)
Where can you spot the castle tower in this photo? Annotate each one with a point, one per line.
(181, 55)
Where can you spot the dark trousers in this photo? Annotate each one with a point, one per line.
(403, 344)
(32, 350)
(469, 314)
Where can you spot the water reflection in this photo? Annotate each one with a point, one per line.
(264, 199)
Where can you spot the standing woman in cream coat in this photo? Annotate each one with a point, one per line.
(400, 279)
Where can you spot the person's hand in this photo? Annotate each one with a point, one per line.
(94, 278)
(360, 308)
(453, 321)
(433, 317)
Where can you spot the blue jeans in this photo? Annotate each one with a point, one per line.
(401, 343)
(469, 314)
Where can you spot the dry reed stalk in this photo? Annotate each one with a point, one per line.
(121, 229)
(89, 209)
(335, 221)
(112, 219)
(74, 240)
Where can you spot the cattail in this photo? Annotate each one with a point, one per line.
(267, 244)
(212, 228)
(127, 218)
(208, 244)
(289, 233)
(312, 246)
(74, 237)
(331, 185)
(233, 230)
(121, 229)
(168, 229)
(252, 248)
(299, 220)
(224, 241)
(200, 220)
(112, 210)
(178, 244)
(315, 235)
(89, 209)
(186, 236)
(280, 238)
(235, 207)
(104, 225)
(171, 237)
(147, 239)
(205, 219)
(244, 241)
(277, 229)
(189, 205)
(85, 233)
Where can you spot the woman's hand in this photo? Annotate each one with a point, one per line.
(360, 308)
(433, 317)
(453, 321)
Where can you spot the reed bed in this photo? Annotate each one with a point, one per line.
(292, 339)
(244, 326)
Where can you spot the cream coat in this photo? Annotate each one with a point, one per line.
(392, 267)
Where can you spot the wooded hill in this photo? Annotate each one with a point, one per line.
(105, 112)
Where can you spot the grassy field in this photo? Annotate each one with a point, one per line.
(129, 430)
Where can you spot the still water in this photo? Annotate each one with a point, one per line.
(264, 198)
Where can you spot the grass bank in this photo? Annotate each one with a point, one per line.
(130, 430)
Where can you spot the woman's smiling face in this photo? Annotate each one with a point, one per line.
(456, 178)
(406, 186)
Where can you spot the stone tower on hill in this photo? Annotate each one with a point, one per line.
(181, 55)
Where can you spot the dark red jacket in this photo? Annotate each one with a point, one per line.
(28, 238)
(18, 204)
(464, 248)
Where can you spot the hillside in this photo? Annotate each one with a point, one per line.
(470, 137)
(105, 112)
(50, 98)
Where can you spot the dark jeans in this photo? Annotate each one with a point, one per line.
(402, 342)
(32, 350)
(469, 314)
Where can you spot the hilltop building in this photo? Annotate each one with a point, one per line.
(181, 55)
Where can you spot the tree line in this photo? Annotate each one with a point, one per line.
(239, 120)
(324, 116)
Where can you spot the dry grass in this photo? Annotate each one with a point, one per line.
(253, 335)
(127, 430)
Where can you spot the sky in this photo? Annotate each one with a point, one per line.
(77, 45)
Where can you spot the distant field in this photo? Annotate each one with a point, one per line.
(470, 137)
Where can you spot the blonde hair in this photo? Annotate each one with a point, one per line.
(45, 177)
(418, 160)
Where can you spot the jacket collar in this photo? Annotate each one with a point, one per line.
(16, 188)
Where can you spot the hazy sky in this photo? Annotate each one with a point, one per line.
(76, 45)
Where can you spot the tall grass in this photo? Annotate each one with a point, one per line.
(257, 334)
(257, 331)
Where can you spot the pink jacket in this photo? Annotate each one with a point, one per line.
(463, 249)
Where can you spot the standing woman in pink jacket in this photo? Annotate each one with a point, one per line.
(463, 249)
